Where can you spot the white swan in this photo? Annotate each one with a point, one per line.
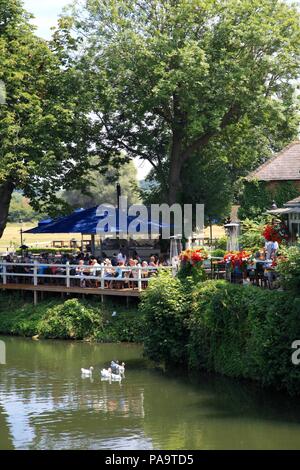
(116, 377)
(87, 372)
(106, 373)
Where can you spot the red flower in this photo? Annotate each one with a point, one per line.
(276, 232)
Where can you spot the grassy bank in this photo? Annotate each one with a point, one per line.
(70, 319)
(234, 330)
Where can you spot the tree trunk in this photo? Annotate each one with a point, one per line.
(6, 190)
(176, 161)
(174, 174)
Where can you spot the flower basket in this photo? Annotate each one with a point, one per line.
(191, 263)
(276, 232)
(237, 260)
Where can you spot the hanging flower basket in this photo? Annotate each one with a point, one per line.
(276, 232)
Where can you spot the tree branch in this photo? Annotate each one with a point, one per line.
(229, 117)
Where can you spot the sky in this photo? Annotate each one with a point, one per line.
(46, 13)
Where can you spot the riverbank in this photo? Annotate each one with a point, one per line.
(70, 319)
(238, 331)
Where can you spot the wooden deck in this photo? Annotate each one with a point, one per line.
(30, 277)
(126, 292)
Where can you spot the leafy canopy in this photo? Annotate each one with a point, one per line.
(175, 80)
(43, 126)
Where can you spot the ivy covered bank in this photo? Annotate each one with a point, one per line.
(238, 331)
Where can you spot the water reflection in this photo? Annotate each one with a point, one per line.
(45, 404)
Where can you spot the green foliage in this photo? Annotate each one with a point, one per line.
(289, 268)
(43, 127)
(221, 243)
(251, 238)
(101, 188)
(165, 306)
(20, 209)
(195, 272)
(245, 332)
(180, 81)
(238, 331)
(47, 250)
(218, 253)
(257, 197)
(126, 326)
(72, 319)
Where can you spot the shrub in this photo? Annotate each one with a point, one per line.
(221, 243)
(47, 250)
(289, 268)
(251, 238)
(72, 319)
(245, 332)
(218, 253)
(165, 305)
(126, 326)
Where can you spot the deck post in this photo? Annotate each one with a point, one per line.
(139, 278)
(35, 278)
(35, 297)
(68, 274)
(4, 278)
(102, 276)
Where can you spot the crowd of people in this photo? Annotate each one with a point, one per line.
(84, 269)
(262, 270)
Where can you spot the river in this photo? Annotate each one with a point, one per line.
(45, 404)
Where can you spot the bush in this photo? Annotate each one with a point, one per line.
(165, 307)
(238, 331)
(38, 251)
(218, 253)
(245, 332)
(72, 319)
(289, 268)
(221, 243)
(126, 326)
(251, 238)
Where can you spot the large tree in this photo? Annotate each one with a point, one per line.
(101, 188)
(44, 130)
(175, 80)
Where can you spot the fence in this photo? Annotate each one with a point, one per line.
(67, 275)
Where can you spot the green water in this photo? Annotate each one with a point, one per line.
(45, 404)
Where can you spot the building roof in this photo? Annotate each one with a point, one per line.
(293, 202)
(283, 166)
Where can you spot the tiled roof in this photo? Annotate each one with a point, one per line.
(293, 202)
(285, 165)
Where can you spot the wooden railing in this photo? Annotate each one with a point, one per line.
(67, 274)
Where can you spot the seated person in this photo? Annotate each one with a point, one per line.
(80, 270)
(119, 274)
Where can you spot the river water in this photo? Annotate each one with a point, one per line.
(45, 404)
